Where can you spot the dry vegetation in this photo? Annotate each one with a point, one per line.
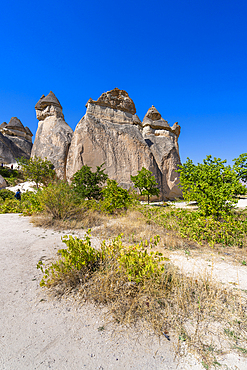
(195, 310)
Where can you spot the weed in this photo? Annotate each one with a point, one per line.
(139, 286)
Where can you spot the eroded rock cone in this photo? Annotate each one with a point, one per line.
(53, 135)
(16, 141)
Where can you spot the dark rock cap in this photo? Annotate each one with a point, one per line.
(153, 114)
(3, 125)
(15, 124)
(115, 99)
(49, 99)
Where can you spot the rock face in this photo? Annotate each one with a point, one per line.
(163, 143)
(111, 133)
(3, 183)
(54, 135)
(15, 141)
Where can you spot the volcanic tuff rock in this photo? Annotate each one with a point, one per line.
(15, 141)
(54, 135)
(163, 143)
(3, 183)
(110, 132)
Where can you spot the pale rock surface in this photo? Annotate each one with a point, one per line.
(111, 133)
(12, 148)
(53, 135)
(163, 143)
(15, 141)
(3, 183)
(121, 147)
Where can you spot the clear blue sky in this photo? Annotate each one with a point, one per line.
(187, 58)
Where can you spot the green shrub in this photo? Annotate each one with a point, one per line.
(6, 194)
(115, 197)
(88, 184)
(212, 184)
(7, 172)
(41, 171)
(31, 203)
(10, 206)
(58, 200)
(134, 261)
(146, 183)
(78, 255)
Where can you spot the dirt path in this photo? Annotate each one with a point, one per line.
(37, 333)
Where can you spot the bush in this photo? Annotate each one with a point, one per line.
(78, 256)
(6, 194)
(31, 203)
(134, 261)
(7, 172)
(11, 206)
(38, 170)
(88, 184)
(146, 183)
(58, 200)
(115, 197)
(211, 184)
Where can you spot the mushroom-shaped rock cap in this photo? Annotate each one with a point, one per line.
(47, 100)
(153, 119)
(153, 114)
(115, 99)
(15, 124)
(4, 124)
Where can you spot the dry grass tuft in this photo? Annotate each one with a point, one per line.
(195, 311)
(83, 220)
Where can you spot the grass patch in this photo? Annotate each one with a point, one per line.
(139, 286)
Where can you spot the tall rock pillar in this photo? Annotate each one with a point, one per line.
(53, 136)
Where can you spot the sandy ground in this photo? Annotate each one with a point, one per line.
(40, 333)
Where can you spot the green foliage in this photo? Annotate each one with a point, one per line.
(6, 194)
(212, 184)
(115, 197)
(7, 172)
(138, 264)
(78, 254)
(11, 176)
(38, 170)
(58, 200)
(31, 203)
(133, 262)
(240, 166)
(146, 183)
(192, 225)
(88, 184)
(228, 231)
(10, 206)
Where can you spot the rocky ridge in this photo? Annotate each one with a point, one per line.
(111, 133)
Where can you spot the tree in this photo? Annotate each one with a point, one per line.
(146, 183)
(212, 184)
(240, 166)
(41, 171)
(115, 197)
(88, 184)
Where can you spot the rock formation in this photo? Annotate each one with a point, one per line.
(112, 133)
(15, 141)
(3, 183)
(163, 143)
(54, 135)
